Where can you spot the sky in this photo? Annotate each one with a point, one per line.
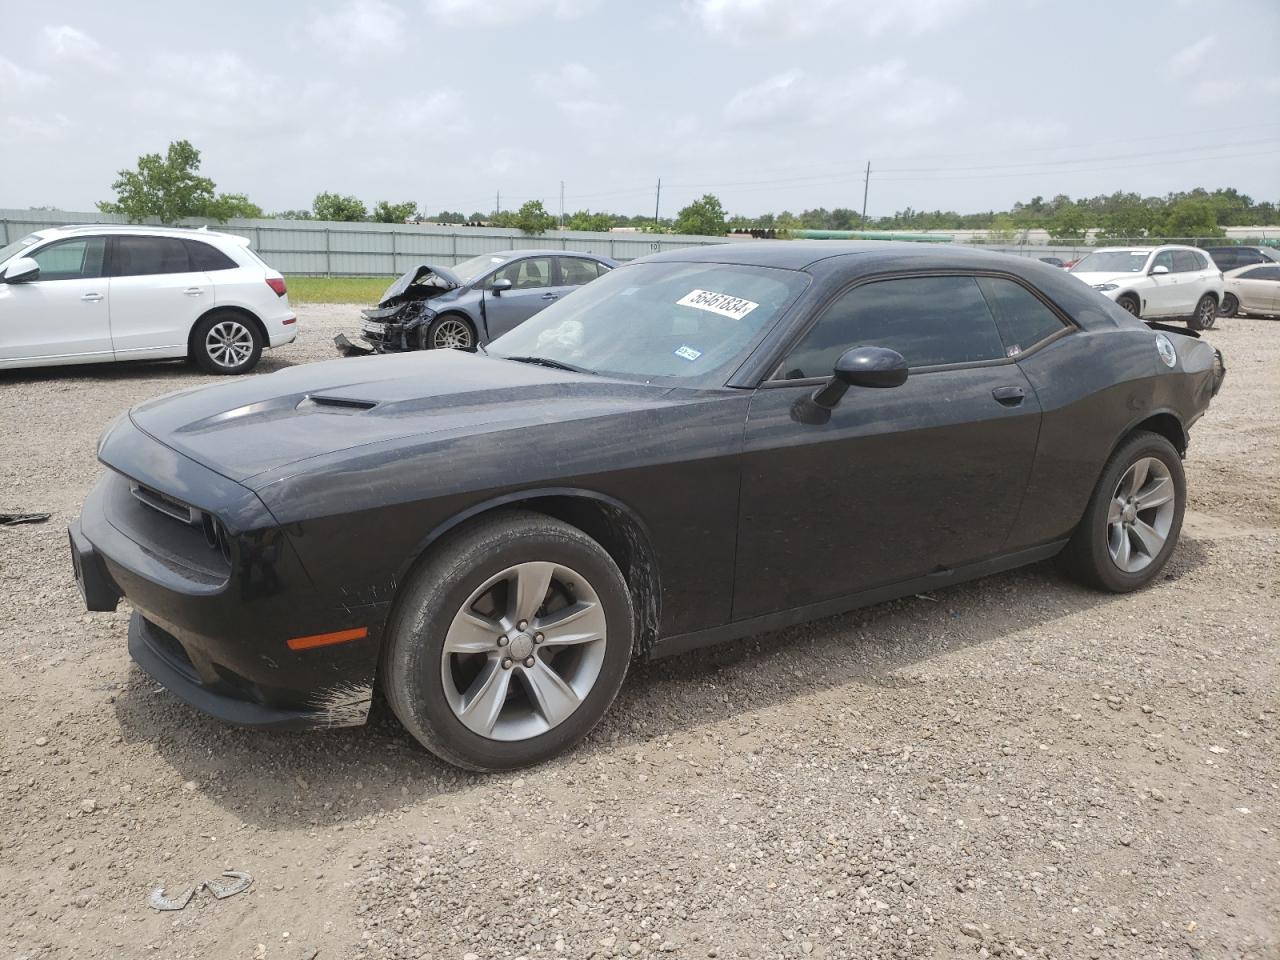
(770, 104)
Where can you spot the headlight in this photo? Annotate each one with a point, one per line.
(1104, 287)
(1164, 346)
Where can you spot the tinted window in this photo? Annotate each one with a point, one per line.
(527, 274)
(575, 271)
(79, 259)
(143, 256)
(1164, 259)
(1185, 261)
(1261, 273)
(1229, 259)
(1022, 318)
(203, 256)
(929, 320)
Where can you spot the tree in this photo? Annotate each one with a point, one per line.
(334, 206)
(586, 220)
(384, 212)
(533, 219)
(1003, 229)
(453, 216)
(170, 188)
(294, 215)
(1190, 217)
(704, 217)
(1068, 222)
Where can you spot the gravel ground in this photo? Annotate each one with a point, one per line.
(1015, 767)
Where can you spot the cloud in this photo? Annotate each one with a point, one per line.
(1190, 58)
(1211, 92)
(747, 21)
(17, 80)
(64, 42)
(492, 13)
(24, 130)
(885, 92)
(359, 28)
(575, 89)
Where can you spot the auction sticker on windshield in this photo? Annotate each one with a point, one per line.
(735, 308)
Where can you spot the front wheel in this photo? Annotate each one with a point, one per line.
(1129, 304)
(509, 643)
(1206, 313)
(1230, 306)
(450, 332)
(227, 343)
(1131, 526)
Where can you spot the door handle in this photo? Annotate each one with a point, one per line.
(193, 292)
(91, 297)
(550, 296)
(1009, 396)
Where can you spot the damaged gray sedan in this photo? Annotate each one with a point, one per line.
(472, 302)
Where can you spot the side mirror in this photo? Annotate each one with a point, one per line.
(1158, 269)
(877, 367)
(499, 286)
(21, 270)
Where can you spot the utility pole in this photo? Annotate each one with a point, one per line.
(561, 204)
(866, 183)
(497, 202)
(656, 201)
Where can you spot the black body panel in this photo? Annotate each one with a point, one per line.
(727, 511)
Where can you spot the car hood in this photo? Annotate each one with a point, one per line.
(1093, 279)
(260, 429)
(446, 280)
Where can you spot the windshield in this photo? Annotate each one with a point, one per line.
(468, 270)
(685, 320)
(12, 249)
(1113, 261)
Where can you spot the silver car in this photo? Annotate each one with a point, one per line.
(472, 302)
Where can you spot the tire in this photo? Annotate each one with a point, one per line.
(1129, 303)
(450, 331)
(1230, 306)
(1090, 557)
(439, 693)
(1205, 315)
(225, 342)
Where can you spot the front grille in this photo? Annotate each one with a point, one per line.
(182, 537)
(169, 506)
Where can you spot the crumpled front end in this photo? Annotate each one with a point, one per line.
(400, 321)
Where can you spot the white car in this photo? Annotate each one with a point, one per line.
(1157, 282)
(1254, 290)
(111, 292)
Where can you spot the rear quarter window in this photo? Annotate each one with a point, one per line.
(206, 257)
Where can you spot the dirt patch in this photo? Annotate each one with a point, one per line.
(1016, 766)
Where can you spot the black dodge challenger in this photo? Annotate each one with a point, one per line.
(700, 445)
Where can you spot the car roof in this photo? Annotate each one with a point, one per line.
(1163, 246)
(540, 252)
(72, 230)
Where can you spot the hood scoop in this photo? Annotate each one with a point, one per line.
(335, 404)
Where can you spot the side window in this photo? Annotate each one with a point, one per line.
(1021, 317)
(146, 256)
(527, 274)
(1261, 273)
(574, 271)
(79, 259)
(1185, 261)
(207, 257)
(1164, 259)
(929, 320)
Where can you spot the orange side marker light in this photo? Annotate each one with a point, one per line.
(326, 639)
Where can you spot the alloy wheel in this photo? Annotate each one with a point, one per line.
(1230, 306)
(229, 343)
(1129, 305)
(1140, 515)
(1208, 313)
(524, 651)
(452, 335)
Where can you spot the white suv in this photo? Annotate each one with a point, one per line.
(1157, 282)
(104, 292)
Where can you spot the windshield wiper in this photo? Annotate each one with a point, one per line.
(548, 362)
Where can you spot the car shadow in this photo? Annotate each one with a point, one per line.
(153, 370)
(322, 778)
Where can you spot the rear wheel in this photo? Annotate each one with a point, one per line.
(1230, 306)
(1131, 526)
(509, 644)
(1206, 313)
(226, 342)
(1129, 304)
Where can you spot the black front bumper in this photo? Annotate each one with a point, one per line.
(216, 632)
